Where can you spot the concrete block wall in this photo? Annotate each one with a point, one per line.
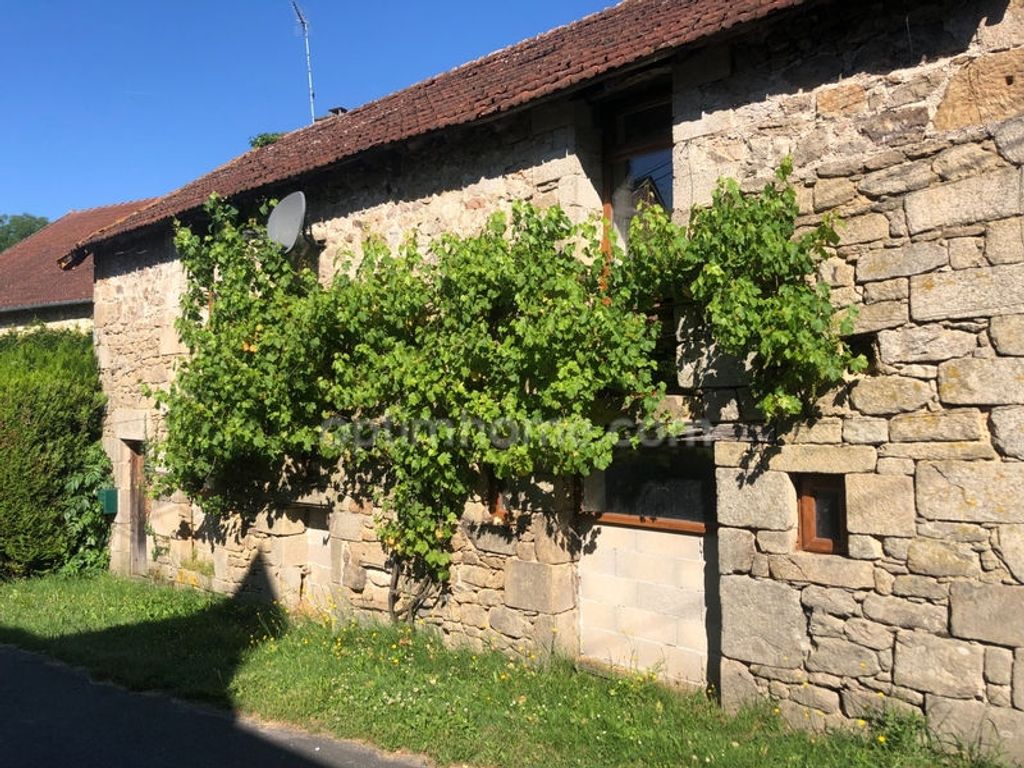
(642, 602)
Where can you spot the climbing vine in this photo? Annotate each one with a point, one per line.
(244, 410)
(497, 353)
(525, 349)
(749, 281)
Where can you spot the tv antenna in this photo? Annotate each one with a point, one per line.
(309, 63)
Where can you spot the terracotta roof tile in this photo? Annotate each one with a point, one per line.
(630, 32)
(29, 275)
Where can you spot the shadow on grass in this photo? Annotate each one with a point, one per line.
(194, 656)
(52, 715)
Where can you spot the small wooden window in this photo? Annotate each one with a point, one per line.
(497, 499)
(822, 506)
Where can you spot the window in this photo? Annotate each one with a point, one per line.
(638, 158)
(497, 498)
(638, 169)
(822, 507)
(670, 488)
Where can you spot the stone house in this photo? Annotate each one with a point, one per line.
(32, 287)
(874, 556)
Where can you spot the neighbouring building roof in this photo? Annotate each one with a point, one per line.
(627, 34)
(29, 275)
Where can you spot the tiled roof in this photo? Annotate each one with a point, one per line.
(628, 33)
(29, 275)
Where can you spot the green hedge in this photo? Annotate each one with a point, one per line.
(51, 462)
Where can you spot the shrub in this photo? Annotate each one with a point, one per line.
(50, 460)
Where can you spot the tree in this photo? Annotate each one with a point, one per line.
(15, 228)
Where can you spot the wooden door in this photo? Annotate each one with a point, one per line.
(139, 517)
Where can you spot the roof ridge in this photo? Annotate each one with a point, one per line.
(484, 57)
(505, 80)
(92, 209)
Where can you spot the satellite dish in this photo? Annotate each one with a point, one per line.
(284, 226)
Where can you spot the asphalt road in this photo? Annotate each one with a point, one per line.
(53, 715)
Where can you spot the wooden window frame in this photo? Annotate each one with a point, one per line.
(496, 506)
(808, 539)
(649, 523)
(613, 152)
(621, 520)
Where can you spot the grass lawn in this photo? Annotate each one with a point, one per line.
(399, 688)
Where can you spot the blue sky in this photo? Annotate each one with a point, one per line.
(112, 100)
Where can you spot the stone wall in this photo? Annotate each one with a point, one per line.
(456, 181)
(909, 129)
(135, 302)
(642, 602)
(513, 585)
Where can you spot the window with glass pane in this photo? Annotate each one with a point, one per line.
(643, 178)
(638, 158)
(822, 504)
(669, 487)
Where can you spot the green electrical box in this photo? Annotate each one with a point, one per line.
(108, 498)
